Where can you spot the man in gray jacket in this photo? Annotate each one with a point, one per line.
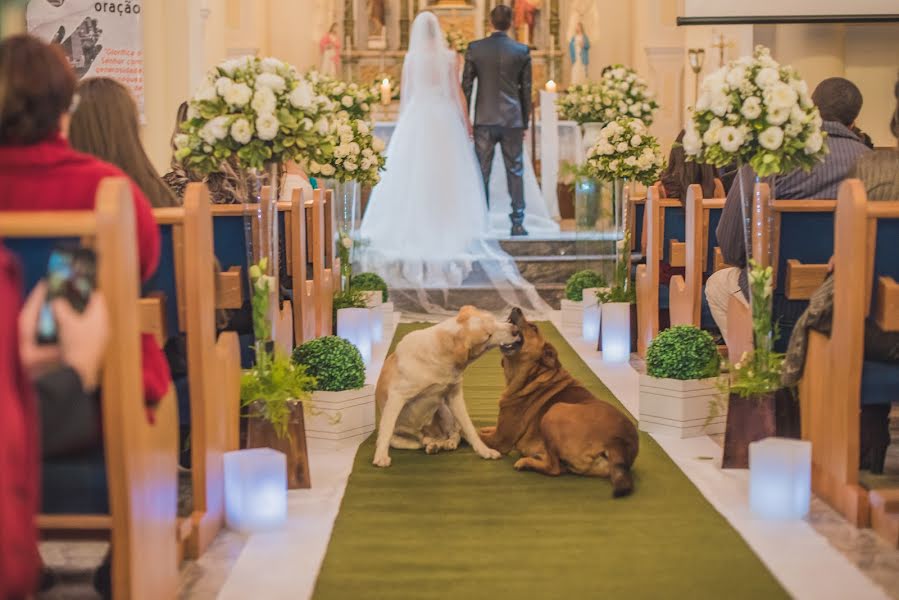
(839, 102)
(502, 67)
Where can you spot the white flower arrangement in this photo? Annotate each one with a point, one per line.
(757, 112)
(456, 41)
(350, 99)
(620, 93)
(625, 150)
(260, 110)
(358, 155)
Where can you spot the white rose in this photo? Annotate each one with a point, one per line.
(362, 126)
(328, 170)
(377, 144)
(241, 131)
(622, 147)
(206, 94)
(308, 124)
(350, 166)
(222, 85)
(644, 162)
(792, 129)
(302, 96)
(267, 126)
(636, 140)
(238, 94)
(271, 81)
(340, 151)
(798, 116)
(631, 161)
(182, 140)
(781, 95)
(314, 167)
(692, 142)
(771, 138)
(736, 76)
(613, 166)
(752, 108)
(264, 101)
(346, 138)
(635, 110)
(767, 77)
(711, 135)
(703, 102)
(605, 148)
(366, 164)
(322, 126)
(219, 127)
(778, 116)
(730, 139)
(720, 104)
(271, 65)
(355, 149)
(813, 143)
(346, 101)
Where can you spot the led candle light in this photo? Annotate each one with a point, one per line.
(590, 325)
(376, 320)
(255, 489)
(616, 331)
(780, 478)
(385, 92)
(551, 86)
(354, 325)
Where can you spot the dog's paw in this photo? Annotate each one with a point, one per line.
(432, 447)
(522, 464)
(488, 453)
(381, 460)
(451, 444)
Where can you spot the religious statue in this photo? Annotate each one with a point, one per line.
(376, 17)
(329, 46)
(525, 16)
(579, 51)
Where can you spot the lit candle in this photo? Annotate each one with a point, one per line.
(551, 86)
(385, 91)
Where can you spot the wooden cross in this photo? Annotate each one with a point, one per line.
(722, 44)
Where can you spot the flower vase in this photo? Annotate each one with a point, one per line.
(587, 195)
(754, 418)
(346, 219)
(590, 134)
(261, 434)
(613, 207)
(263, 252)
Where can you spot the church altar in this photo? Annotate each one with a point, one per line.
(377, 33)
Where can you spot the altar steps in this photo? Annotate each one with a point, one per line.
(545, 263)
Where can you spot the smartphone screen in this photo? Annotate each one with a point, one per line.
(71, 274)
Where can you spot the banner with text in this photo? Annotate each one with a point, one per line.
(101, 39)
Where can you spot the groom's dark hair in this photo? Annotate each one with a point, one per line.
(501, 17)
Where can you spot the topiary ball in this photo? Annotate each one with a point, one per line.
(683, 352)
(369, 282)
(580, 281)
(334, 362)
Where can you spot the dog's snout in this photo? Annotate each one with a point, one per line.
(515, 331)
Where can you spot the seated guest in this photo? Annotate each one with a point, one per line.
(105, 124)
(681, 173)
(228, 185)
(839, 102)
(879, 171)
(40, 171)
(19, 493)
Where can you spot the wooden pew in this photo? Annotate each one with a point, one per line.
(320, 251)
(140, 458)
(296, 252)
(191, 300)
(229, 238)
(837, 379)
(702, 257)
(801, 234)
(647, 276)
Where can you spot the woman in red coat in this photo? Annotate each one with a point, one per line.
(19, 560)
(39, 171)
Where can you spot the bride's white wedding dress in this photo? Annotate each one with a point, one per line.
(426, 226)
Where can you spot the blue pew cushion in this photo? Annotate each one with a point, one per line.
(75, 484)
(880, 382)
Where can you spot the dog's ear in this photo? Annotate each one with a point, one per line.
(550, 358)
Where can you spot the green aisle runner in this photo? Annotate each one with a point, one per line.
(456, 526)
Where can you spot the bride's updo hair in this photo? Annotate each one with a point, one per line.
(426, 33)
(501, 17)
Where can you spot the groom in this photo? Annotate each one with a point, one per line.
(502, 67)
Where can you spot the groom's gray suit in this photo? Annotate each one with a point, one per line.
(502, 67)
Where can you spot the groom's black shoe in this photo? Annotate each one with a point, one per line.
(518, 229)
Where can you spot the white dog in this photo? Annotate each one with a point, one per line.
(419, 391)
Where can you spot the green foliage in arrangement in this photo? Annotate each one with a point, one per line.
(335, 363)
(275, 382)
(622, 290)
(351, 298)
(577, 283)
(369, 282)
(683, 352)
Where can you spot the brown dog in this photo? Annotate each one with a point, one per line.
(553, 421)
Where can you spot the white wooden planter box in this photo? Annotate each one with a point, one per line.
(681, 408)
(341, 417)
(572, 313)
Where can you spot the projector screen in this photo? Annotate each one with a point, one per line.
(705, 12)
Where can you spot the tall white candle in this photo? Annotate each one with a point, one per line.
(385, 91)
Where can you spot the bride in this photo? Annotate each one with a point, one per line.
(426, 227)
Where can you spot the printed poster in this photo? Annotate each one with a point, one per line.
(101, 39)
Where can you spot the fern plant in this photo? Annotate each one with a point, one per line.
(272, 386)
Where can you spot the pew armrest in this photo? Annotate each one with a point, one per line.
(802, 280)
(230, 289)
(886, 309)
(152, 317)
(677, 253)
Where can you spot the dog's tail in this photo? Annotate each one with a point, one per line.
(620, 456)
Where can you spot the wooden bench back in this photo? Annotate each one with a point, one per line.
(141, 458)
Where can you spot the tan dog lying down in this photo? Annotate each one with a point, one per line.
(554, 422)
(419, 392)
